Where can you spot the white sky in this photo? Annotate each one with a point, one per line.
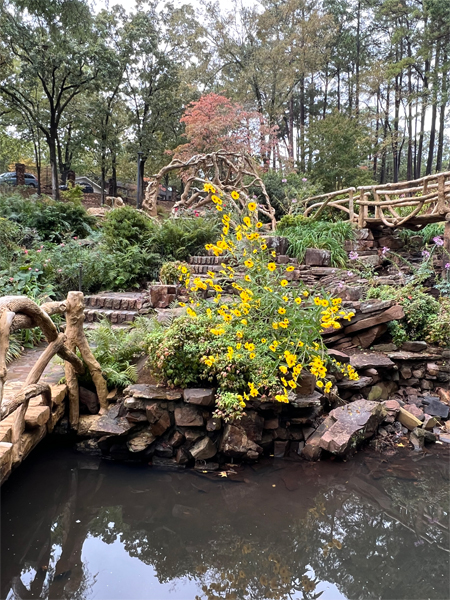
(130, 4)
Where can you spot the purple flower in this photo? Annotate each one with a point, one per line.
(385, 250)
(294, 201)
(340, 284)
(353, 255)
(425, 253)
(284, 181)
(36, 269)
(304, 179)
(438, 241)
(349, 273)
(447, 266)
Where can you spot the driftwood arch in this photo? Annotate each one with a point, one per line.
(19, 312)
(227, 171)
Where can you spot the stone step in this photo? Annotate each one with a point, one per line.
(112, 301)
(115, 316)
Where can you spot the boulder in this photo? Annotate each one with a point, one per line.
(188, 416)
(110, 423)
(317, 258)
(176, 439)
(146, 391)
(382, 390)
(349, 384)
(367, 360)
(302, 401)
(214, 424)
(235, 443)
(435, 407)
(355, 422)
(203, 449)
(252, 423)
(312, 449)
(279, 449)
(370, 306)
(306, 384)
(161, 425)
(365, 338)
(140, 441)
(272, 423)
(415, 410)
(414, 346)
(89, 400)
(392, 409)
(199, 396)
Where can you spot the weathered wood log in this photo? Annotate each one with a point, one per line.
(77, 339)
(37, 416)
(39, 366)
(6, 318)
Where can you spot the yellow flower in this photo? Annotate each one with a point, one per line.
(239, 334)
(284, 282)
(263, 246)
(181, 304)
(273, 347)
(273, 253)
(191, 312)
(263, 340)
(252, 356)
(283, 369)
(244, 321)
(325, 302)
(247, 221)
(216, 199)
(272, 266)
(275, 325)
(219, 208)
(292, 384)
(281, 311)
(317, 301)
(259, 224)
(290, 268)
(235, 195)
(247, 278)
(319, 384)
(306, 294)
(207, 187)
(328, 387)
(298, 300)
(252, 206)
(238, 346)
(249, 263)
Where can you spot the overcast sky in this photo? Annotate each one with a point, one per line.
(129, 4)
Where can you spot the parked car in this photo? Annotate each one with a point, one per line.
(85, 188)
(11, 179)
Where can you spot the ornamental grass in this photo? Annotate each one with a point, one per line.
(260, 340)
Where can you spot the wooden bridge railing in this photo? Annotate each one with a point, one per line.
(19, 312)
(427, 200)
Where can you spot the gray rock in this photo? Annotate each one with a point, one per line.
(140, 441)
(414, 346)
(354, 423)
(199, 396)
(203, 449)
(235, 442)
(309, 401)
(317, 258)
(435, 407)
(146, 391)
(367, 360)
(348, 384)
(90, 400)
(188, 416)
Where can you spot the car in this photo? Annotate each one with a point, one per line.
(10, 178)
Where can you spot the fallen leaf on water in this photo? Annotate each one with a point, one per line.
(401, 445)
(223, 474)
(274, 485)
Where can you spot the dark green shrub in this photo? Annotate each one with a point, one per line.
(54, 221)
(178, 239)
(169, 273)
(126, 226)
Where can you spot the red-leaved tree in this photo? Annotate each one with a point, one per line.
(216, 123)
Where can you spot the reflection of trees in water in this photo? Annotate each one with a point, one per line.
(373, 534)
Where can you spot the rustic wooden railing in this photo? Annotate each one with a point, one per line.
(427, 200)
(19, 312)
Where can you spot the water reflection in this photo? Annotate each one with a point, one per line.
(74, 528)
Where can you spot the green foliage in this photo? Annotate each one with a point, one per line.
(287, 192)
(54, 221)
(74, 194)
(421, 311)
(169, 273)
(229, 406)
(427, 233)
(117, 349)
(439, 325)
(304, 233)
(342, 144)
(178, 239)
(125, 226)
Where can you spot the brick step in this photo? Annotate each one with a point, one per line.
(115, 316)
(125, 301)
(208, 260)
(95, 325)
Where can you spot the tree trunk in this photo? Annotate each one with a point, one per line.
(51, 140)
(422, 116)
(433, 112)
(444, 100)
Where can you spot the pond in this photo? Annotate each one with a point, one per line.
(76, 527)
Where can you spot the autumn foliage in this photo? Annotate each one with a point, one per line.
(216, 123)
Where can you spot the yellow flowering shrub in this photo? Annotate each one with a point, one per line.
(262, 339)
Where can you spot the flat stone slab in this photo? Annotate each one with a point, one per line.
(402, 355)
(188, 416)
(349, 384)
(414, 346)
(146, 391)
(369, 360)
(111, 423)
(435, 407)
(199, 396)
(370, 306)
(391, 314)
(301, 401)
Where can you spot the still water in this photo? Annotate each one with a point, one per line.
(74, 527)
